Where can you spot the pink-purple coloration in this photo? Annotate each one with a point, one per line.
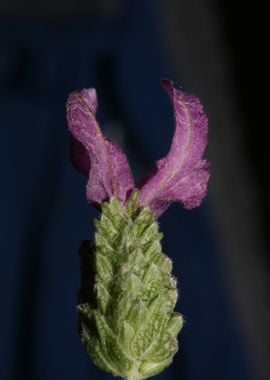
(182, 175)
(95, 155)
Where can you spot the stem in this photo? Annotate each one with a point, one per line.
(133, 375)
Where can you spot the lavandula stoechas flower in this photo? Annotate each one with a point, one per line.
(128, 294)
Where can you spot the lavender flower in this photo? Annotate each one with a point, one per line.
(128, 294)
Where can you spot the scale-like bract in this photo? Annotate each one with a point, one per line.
(128, 325)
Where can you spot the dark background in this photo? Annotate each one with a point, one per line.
(220, 251)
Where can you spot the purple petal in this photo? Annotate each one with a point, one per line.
(102, 160)
(182, 175)
(79, 156)
(89, 95)
(120, 169)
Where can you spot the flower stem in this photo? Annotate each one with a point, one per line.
(132, 376)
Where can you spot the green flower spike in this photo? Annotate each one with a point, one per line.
(128, 326)
(128, 294)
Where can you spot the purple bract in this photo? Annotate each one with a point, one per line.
(182, 175)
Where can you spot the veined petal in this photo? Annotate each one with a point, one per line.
(182, 175)
(93, 154)
(79, 156)
(120, 170)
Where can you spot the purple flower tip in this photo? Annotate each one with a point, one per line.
(95, 155)
(182, 175)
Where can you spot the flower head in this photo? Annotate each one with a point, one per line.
(181, 176)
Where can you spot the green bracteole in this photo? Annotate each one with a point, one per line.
(128, 294)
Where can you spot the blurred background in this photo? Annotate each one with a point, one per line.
(220, 250)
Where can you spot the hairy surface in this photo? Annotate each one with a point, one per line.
(93, 154)
(181, 176)
(127, 321)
